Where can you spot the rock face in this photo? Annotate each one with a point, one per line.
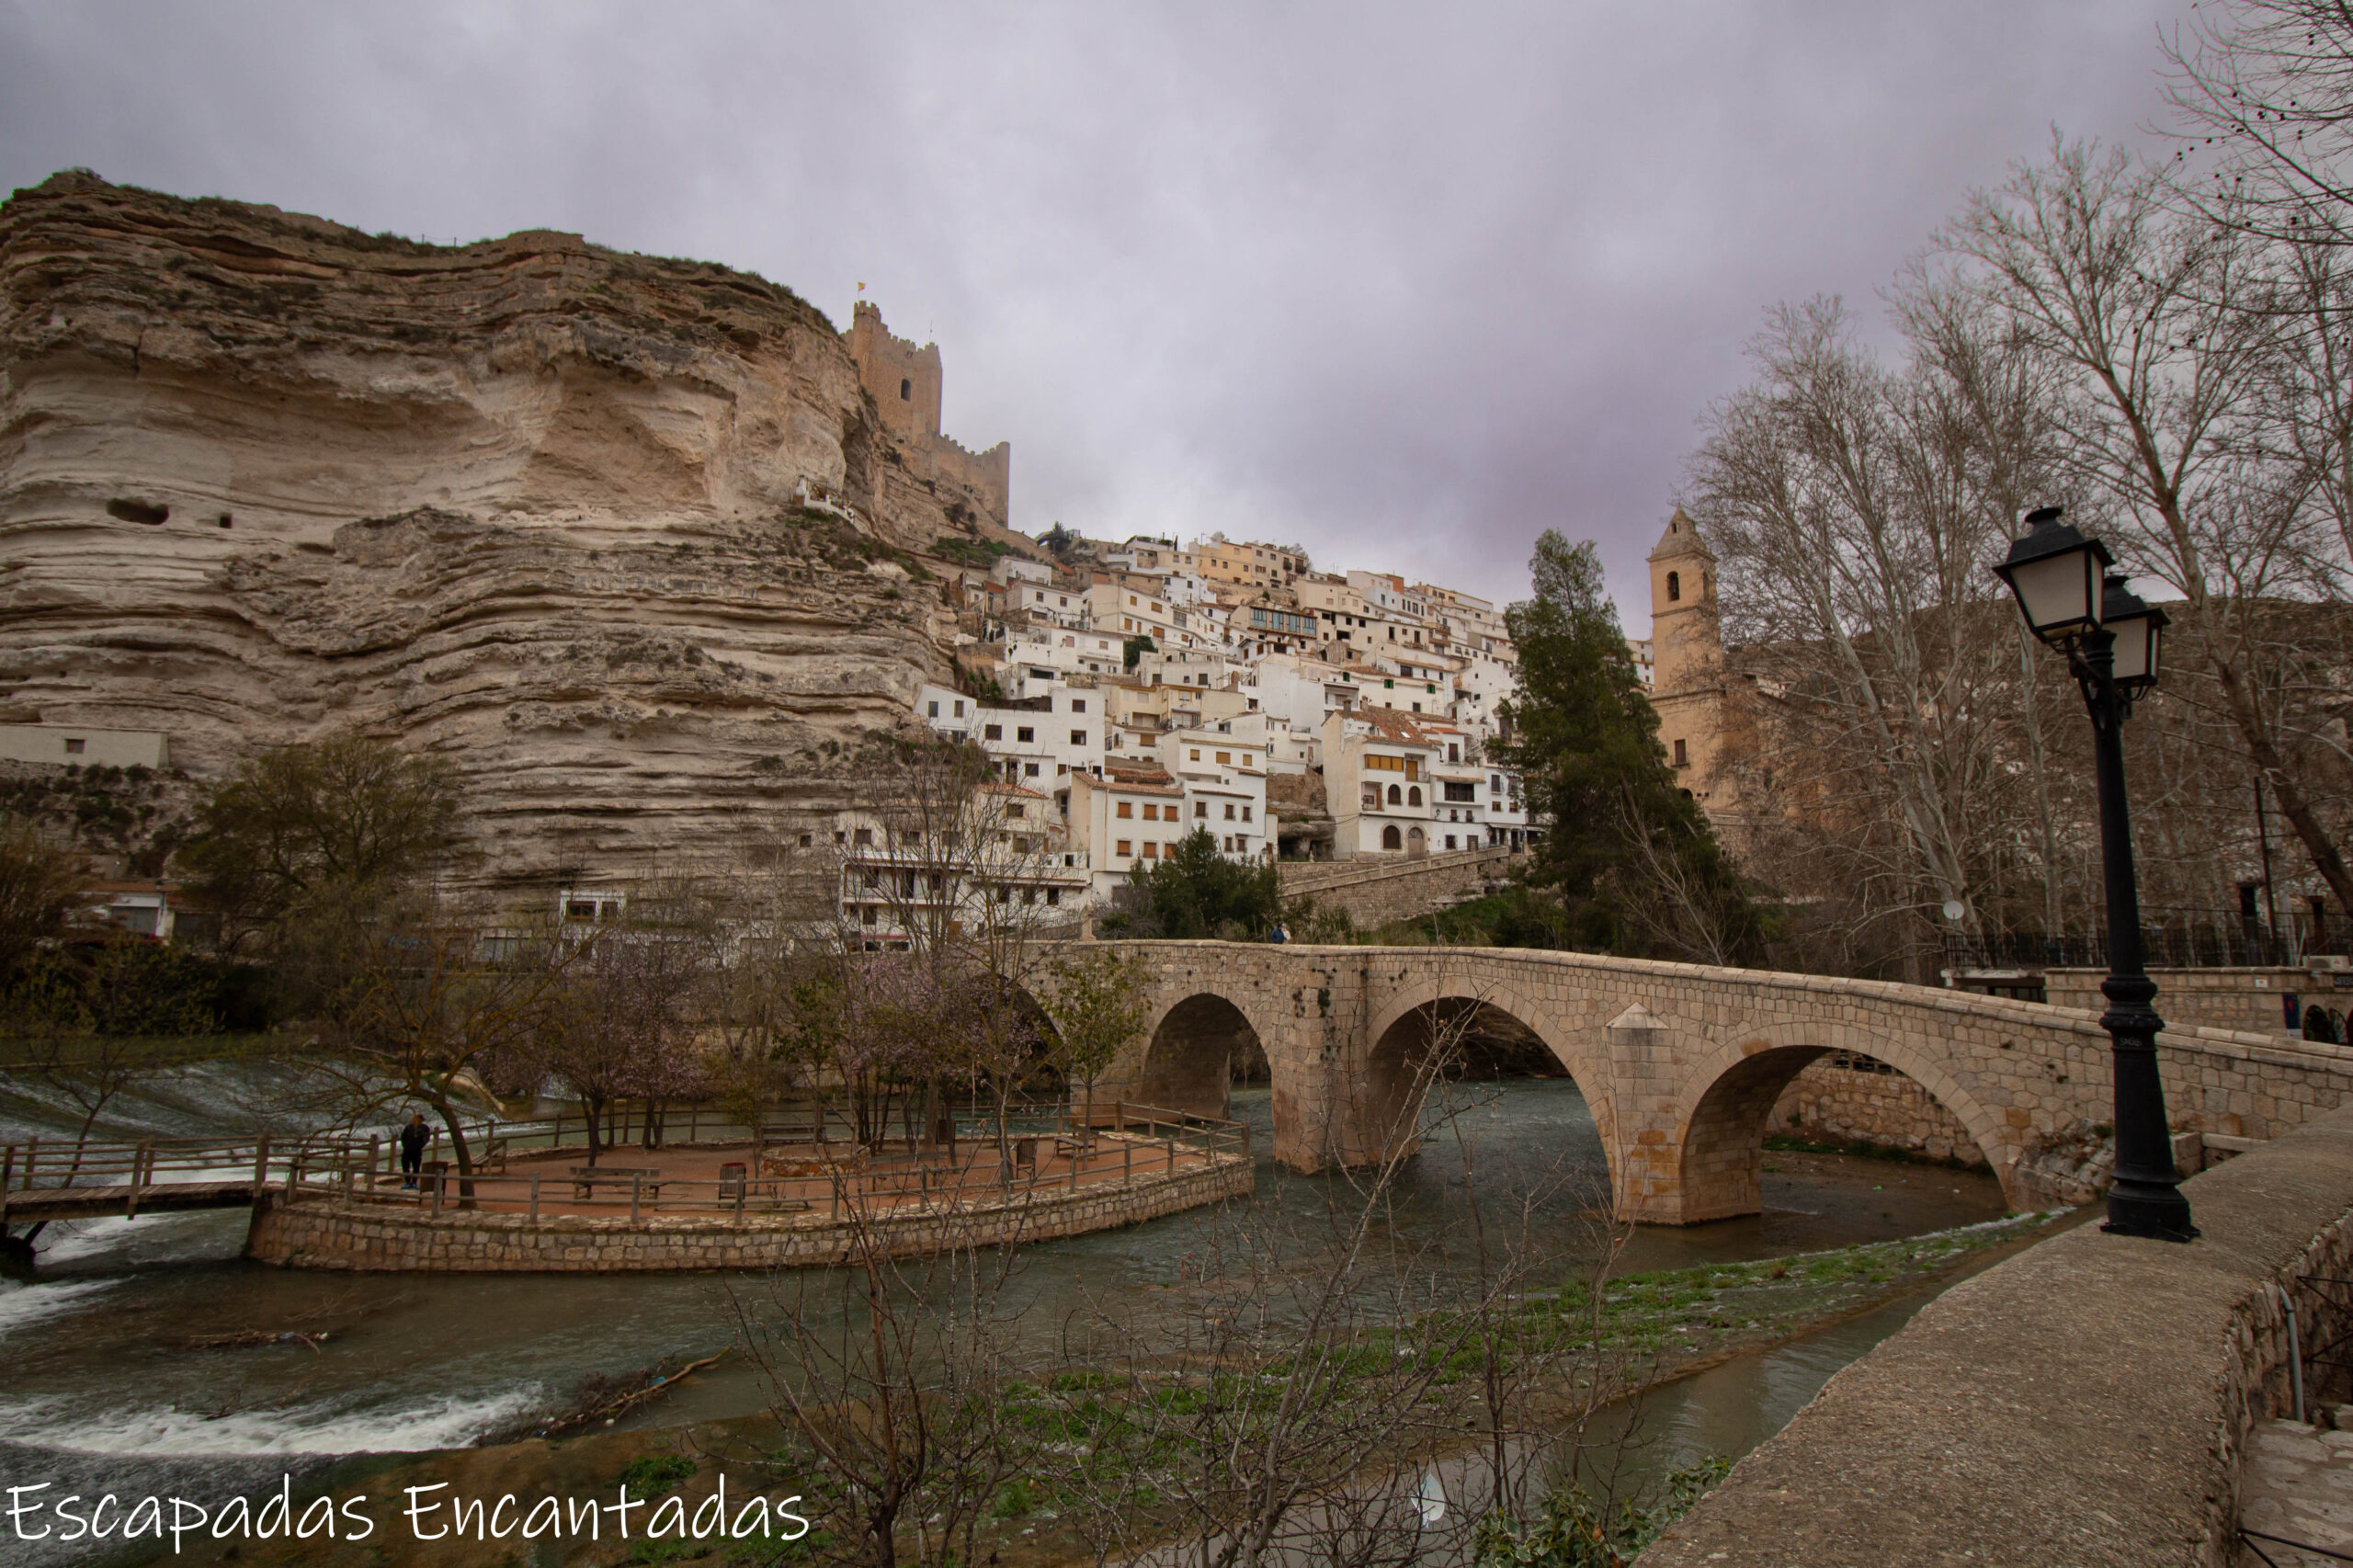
(541, 507)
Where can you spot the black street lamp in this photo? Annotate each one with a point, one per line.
(2070, 601)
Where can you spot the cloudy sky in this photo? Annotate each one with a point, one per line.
(1405, 284)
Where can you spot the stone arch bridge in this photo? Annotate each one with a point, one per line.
(1679, 1063)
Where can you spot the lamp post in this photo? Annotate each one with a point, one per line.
(2071, 602)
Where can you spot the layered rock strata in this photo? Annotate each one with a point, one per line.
(622, 536)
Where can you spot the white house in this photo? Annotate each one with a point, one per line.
(1379, 781)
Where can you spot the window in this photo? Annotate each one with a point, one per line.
(806, 839)
(863, 835)
(1017, 811)
(1226, 757)
(1245, 759)
(1078, 705)
(1151, 851)
(1681, 759)
(1396, 796)
(1449, 841)
(960, 708)
(1229, 844)
(1391, 839)
(1417, 707)
(1127, 809)
(1201, 809)
(1029, 770)
(1674, 586)
(1150, 812)
(76, 747)
(839, 836)
(1495, 783)
(1384, 764)
(1414, 796)
(906, 390)
(1123, 843)
(1132, 599)
(1372, 797)
(1078, 737)
(1229, 811)
(1196, 753)
(1245, 814)
(935, 711)
(1455, 791)
(1027, 735)
(993, 732)
(1053, 895)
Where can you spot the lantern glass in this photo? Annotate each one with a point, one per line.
(2057, 594)
(2137, 630)
(2135, 647)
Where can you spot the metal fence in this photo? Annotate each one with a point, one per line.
(2169, 940)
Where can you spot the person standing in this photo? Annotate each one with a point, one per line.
(414, 1137)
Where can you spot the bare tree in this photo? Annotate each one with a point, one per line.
(414, 993)
(2266, 89)
(1856, 508)
(2159, 321)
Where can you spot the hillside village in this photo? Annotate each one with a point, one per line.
(1142, 689)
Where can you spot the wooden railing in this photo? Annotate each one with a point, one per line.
(1151, 1141)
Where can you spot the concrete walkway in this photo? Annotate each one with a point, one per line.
(2298, 1488)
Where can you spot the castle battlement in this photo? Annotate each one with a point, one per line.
(905, 381)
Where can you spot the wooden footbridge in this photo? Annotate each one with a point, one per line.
(92, 1179)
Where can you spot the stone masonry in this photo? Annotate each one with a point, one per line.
(323, 1232)
(1681, 1063)
(1377, 891)
(1862, 1099)
(2087, 1402)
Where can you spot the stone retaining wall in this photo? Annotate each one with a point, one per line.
(1853, 1098)
(2087, 1402)
(321, 1233)
(2247, 999)
(1378, 890)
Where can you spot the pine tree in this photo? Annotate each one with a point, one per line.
(1630, 854)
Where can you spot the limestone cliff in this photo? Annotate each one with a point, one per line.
(531, 504)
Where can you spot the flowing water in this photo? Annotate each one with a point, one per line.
(105, 1386)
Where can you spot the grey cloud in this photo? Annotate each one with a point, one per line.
(1404, 284)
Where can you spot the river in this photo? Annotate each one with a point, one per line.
(104, 1387)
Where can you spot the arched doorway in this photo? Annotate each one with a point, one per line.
(1189, 1064)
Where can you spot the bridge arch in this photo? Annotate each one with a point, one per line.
(1732, 1088)
(1190, 1050)
(1399, 1034)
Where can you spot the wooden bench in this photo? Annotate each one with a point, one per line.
(585, 1179)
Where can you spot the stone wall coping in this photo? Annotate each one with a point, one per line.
(2085, 1402)
(1932, 998)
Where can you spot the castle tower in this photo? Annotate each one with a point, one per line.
(1687, 646)
(904, 381)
